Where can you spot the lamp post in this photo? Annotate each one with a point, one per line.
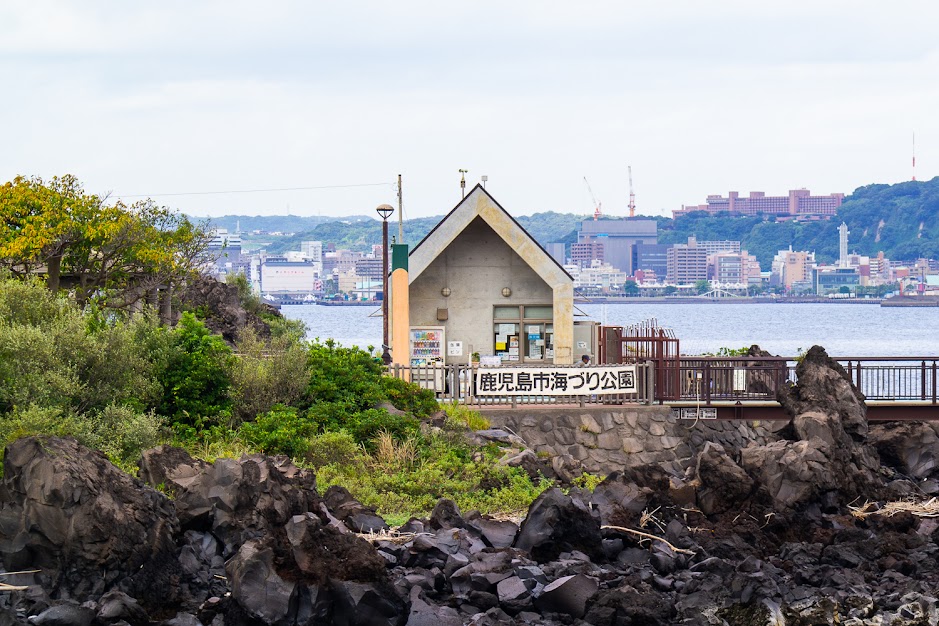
(385, 210)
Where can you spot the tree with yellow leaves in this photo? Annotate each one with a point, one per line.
(116, 254)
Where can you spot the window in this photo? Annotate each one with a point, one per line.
(523, 334)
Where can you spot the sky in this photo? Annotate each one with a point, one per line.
(329, 101)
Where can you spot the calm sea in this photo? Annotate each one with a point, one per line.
(783, 329)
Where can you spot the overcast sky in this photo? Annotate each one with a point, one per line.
(699, 98)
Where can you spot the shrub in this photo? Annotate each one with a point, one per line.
(365, 426)
(409, 397)
(266, 374)
(123, 433)
(344, 375)
(335, 447)
(282, 430)
(196, 376)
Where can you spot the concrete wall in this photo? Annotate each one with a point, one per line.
(476, 266)
(614, 438)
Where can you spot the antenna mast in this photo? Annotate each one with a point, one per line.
(632, 196)
(400, 212)
(914, 155)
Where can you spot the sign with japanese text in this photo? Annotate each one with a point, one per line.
(556, 381)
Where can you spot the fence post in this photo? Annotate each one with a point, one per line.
(650, 383)
(707, 382)
(922, 386)
(933, 382)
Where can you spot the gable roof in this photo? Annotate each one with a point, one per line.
(479, 203)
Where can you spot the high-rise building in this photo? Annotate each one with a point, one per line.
(800, 203)
(584, 254)
(618, 238)
(686, 263)
(651, 256)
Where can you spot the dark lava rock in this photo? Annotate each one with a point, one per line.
(226, 315)
(496, 533)
(558, 523)
(87, 525)
(619, 500)
(116, 606)
(910, 447)
(569, 595)
(355, 515)
(64, 615)
(446, 514)
(235, 499)
(724, 484)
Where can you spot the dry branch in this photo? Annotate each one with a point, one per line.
(647, 536)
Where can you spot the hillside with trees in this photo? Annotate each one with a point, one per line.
(902, 220)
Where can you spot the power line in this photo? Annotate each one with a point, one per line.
(211, 193)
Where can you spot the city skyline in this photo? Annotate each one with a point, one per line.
(330, 103)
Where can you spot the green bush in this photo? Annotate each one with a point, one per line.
(282, 430)
(343, 375)
(196, 376)
(266, 374)
(335, 447)
(409, 397)
(364, 426)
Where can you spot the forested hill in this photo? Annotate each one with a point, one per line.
(358, 235)
(902, 220)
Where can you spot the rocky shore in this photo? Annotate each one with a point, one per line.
(791, 529)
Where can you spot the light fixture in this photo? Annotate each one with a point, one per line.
(506, 292)
(445, 292)
(385, 210)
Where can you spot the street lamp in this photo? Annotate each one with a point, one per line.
(385, 210)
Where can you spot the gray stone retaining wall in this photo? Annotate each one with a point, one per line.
(606, 439)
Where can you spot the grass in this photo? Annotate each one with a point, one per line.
(461, 416)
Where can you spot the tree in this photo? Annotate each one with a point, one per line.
(631, 288)
(116, 253)
(671, 290)
(702, 286)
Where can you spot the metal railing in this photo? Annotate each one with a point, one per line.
(708, 379)
(699, 379)
(457, 383)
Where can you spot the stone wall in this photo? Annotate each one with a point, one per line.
(606, 439)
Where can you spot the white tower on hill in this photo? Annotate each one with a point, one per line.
(843, 245)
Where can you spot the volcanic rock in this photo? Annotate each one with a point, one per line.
(235, 499)
(557, 523)
(355, 515)
(88, 526)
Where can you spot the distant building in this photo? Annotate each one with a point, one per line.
(369, 268)
(618, 238)
(557, 252)
(584, 254)
(280, 276)
(312, 250)
(686, 263)
(650, 258)
(715, 246)
(800, 203)
(224, 248)
(831, 279)
(730, 268)
(790, 268)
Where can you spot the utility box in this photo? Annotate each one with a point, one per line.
(585, 339)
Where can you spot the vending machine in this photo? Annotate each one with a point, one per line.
(427, 348)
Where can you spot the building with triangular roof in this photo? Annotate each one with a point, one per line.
(493, 289)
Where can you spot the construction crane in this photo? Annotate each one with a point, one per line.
(596, 211)
(632, 196)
